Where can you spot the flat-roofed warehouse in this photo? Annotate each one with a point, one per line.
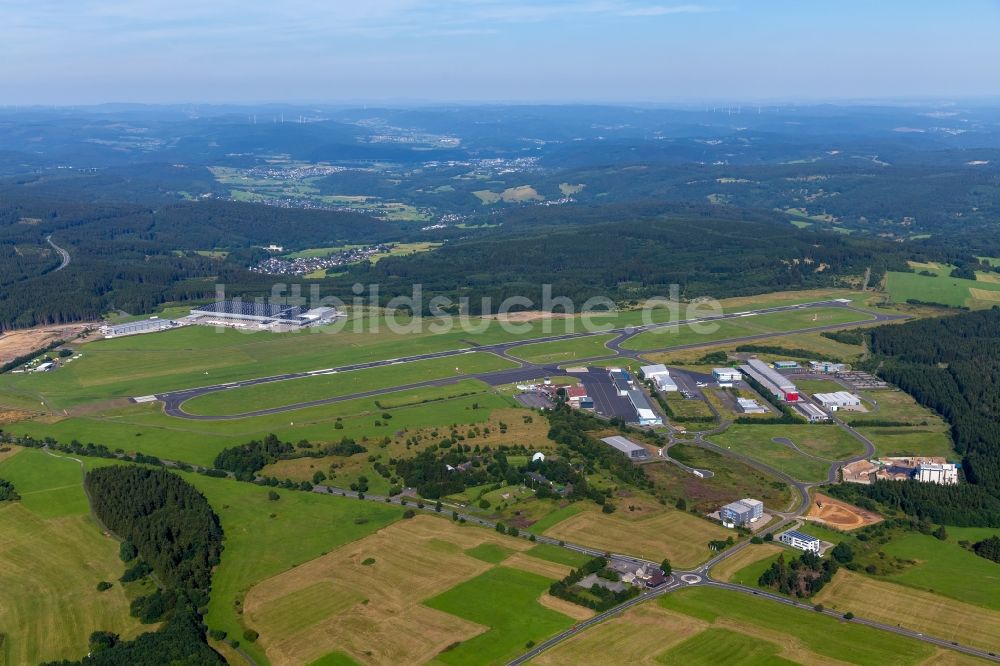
(135, 327)
(838, 400)
(263, 314)
(772, 380)
(631, 450)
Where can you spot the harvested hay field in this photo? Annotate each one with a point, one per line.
(545, 568)
(636, 637)
(840, 515)
(566, 607)
(668, 533)
(912, 609)
(364, 599)
(8, 450)
(744, 558)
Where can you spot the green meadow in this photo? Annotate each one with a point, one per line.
(943, 289)
(846, 641)
(147, 429)
(265, 537)
(777, 322)
(317, 387)
(564, 350)
(506, 601)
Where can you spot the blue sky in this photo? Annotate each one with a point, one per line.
(91, 51)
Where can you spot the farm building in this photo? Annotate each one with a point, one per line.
(838, 400)
(945, 474)
(45, 367)
(775, 382)
(812, 413)
(630, 449)
(750, 406)
(799, 540)
(741, 512)
(647, 417)
(660, 376)
(151, 325)
(726, 375)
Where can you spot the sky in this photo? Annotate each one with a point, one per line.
(550, 51)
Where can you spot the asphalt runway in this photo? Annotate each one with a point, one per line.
(174, 400)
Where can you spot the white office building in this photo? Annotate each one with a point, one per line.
(799, 540)
(945, 474)
(726, 375)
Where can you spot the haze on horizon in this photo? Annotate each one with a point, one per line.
(625, 51)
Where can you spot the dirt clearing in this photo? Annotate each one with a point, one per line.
(22, 342)
(840, 515)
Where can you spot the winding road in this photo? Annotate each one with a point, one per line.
(173, 405)
(63, 254)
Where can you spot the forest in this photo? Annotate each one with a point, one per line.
(169, 528)
(952, 365)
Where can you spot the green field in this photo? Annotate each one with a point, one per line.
(512, 614)
(147, 429)
(912, 440)
(673, 336)
(826, 636)
(825, 442)
(317, 387)
(942, 289)
(493, 553)
(945, 568)
(720, 646)
(52, 555)
(259, 545)
(570, 558)
(564, 350)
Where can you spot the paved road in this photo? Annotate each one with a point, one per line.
(63, 254)
(173, 400)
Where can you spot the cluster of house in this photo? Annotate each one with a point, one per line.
(926, 469)
(306, 265)
(647, 575)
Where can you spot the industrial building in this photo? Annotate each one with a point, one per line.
(750, 406)
(151, 325)
(945, 474)
(726, 375)
(838, 400)
(772, 380)
(786, 365)
(647, 417)
(660, 376)
(826, 367)
(242, 314)
(741, 512)
(799, 540)
(622, 381)
(812, 413)
(630, 449)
